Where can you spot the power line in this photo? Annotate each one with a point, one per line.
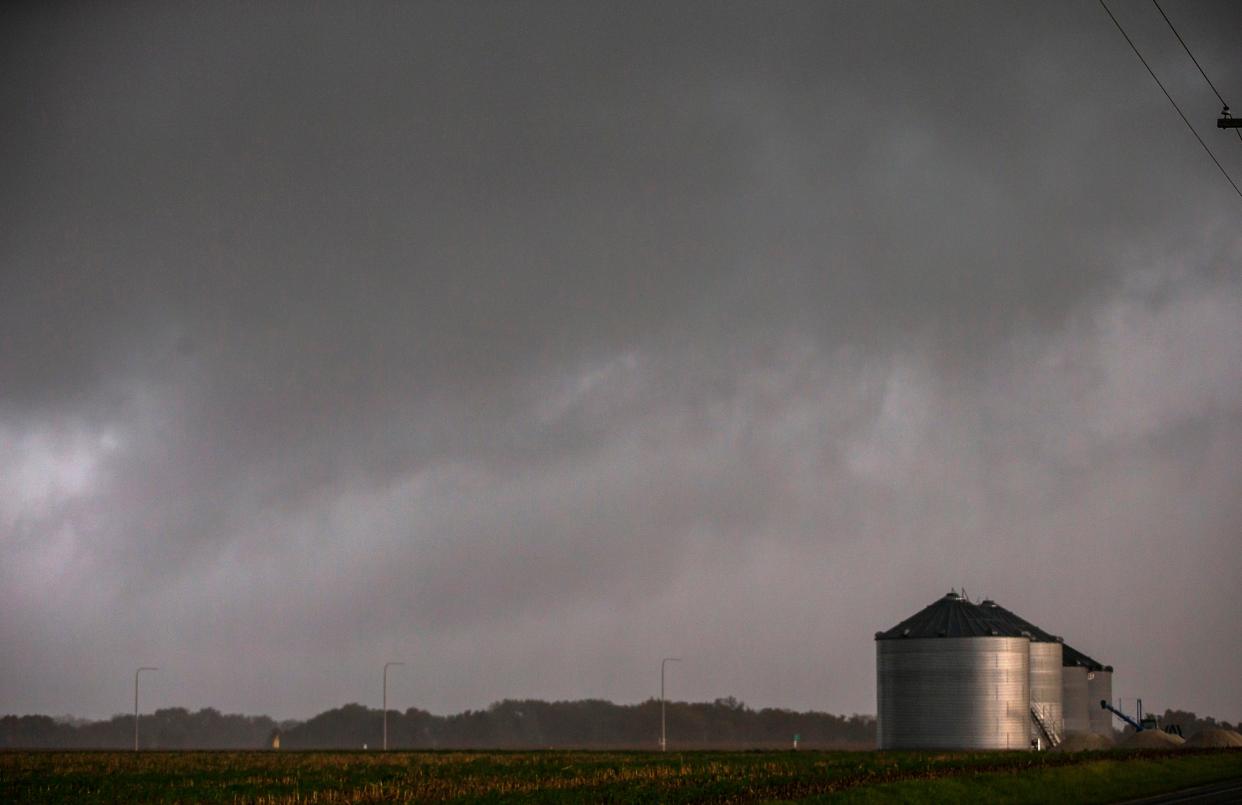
(1193, 59)
(1223, 172)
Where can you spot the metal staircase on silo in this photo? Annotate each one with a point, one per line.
(1047, 727)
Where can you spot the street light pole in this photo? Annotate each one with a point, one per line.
(663, 736)
(136, 673)
(386, 665)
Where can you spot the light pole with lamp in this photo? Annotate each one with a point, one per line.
(663, 736)
(386, 667)
(136, 673)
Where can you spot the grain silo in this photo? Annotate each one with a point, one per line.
(1100, 686)
(1075, 689)
(1047, 718)
(953, 676)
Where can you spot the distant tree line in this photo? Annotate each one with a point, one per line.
(511, 724)
(172, 728)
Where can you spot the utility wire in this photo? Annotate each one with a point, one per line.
(1170, 97)
(1156, 3)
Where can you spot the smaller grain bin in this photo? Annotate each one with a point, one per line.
(1076, 701)
(1047, 717)
(953, 676)
(1100, 687)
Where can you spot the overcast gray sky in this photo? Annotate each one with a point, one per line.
(530, 343)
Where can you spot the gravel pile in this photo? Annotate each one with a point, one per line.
(1084, 742)
(1215, 738)
(1152, 739)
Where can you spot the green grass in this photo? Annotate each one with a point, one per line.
(610, 777)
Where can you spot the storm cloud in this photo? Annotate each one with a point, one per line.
(530, 343)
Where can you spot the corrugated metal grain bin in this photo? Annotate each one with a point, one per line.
(1100, 686)
(953, 677)
(1075, 699)
(1080, 704)
(1045, 669)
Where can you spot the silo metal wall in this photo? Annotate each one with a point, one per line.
(953, 693)
(1046, 686)
(1100, 686)
(1074, 699)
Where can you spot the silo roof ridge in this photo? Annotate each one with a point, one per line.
(952, 616)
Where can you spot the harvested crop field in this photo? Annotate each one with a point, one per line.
(582, 777)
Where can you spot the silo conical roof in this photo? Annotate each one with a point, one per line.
(1017, 622)
(1072, 658)
(951, 616)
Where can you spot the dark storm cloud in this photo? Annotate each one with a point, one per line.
(543, 340)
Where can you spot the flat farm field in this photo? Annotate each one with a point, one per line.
(603, 777)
